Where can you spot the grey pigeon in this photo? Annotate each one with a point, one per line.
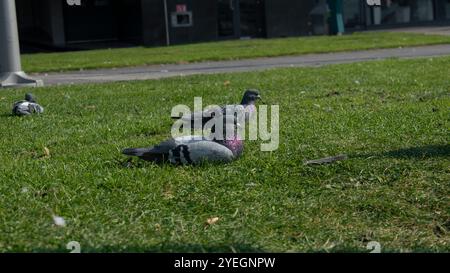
(194, 149)
(27, 106)
(247, 104)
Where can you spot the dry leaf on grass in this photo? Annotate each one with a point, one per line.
(157, 227)
(168, 194)
(212, 221)
(59, 221)
(46, 152)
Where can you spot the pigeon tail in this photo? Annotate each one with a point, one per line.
(135, 151)
(150, 154)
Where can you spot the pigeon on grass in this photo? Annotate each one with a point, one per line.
(247, 105)
(194, 149)
(27, 107)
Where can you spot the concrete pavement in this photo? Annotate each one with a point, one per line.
(432, 30)
(171, 70)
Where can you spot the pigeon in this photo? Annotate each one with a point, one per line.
(194, 149)
(27, 106)
(247, 104)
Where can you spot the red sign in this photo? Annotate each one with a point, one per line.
(181, 8)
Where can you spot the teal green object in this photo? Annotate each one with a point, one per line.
(336, 19)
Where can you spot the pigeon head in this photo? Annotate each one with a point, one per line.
(250, 97)
(29, 97)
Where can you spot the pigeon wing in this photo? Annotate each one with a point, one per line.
(160, 152)
(21, 108)
(200, 151)
(35, 108)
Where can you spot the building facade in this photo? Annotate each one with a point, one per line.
(395, 13)
(64, 23)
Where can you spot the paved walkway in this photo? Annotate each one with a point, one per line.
(171, 70)
(436, 30)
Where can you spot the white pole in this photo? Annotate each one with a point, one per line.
(11, 74)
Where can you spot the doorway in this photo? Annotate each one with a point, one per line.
(241, 18)
(91, 21)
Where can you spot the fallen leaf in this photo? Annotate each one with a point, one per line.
(212, 221)
(226, 83)
(46, 152)
(59, 221)
(168, 194)
(157, 227)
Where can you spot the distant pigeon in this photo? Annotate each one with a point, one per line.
(27, 106)
(194, 149)
(248, 103)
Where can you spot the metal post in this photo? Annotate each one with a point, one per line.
(235, 8)
(166, 22)
(11, 74)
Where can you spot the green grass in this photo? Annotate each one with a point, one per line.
(229, 50)
(391, 118)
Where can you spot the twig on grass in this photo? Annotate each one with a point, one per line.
(326, 160)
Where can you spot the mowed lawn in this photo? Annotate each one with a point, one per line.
(224, 50)
(391, 118)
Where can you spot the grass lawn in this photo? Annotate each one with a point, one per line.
(391, 118)
(229, 50)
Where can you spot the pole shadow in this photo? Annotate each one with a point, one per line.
(427, 151)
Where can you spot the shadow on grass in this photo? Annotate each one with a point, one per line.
(213, 249)
(5, 115)
(133, 162)
(196, 248)
(163, 248)
(421, 152)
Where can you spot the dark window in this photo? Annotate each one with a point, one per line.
(182, 19)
